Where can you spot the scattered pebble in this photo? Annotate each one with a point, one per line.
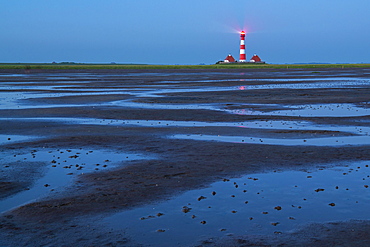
(186, 209)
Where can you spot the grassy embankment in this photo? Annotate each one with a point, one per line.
(213, 66)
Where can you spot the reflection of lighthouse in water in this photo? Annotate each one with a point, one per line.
(242, 57)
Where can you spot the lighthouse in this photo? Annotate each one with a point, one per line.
(242, 58)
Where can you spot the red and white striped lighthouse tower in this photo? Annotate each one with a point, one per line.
(242, 58)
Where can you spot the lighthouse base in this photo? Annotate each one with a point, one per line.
(251, 62)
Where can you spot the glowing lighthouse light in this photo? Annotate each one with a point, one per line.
(242, 57)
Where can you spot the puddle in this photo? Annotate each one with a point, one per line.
(62, 167)
(251, 205)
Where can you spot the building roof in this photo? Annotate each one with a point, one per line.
(229, 59)
(256, 58)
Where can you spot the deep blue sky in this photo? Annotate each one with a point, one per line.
(184, 31)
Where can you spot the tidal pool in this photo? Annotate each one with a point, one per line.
(264, 203)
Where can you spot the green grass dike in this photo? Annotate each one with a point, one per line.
(83, 66)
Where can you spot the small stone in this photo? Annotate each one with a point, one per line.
(319, 189)
(265, 212)
(278, 208)
(161, 230)
(214, 193)
(332, 204)
(203, 222)
(234, 212)
(201, 198)
(366, 186)
(275, 223)
(186, 209)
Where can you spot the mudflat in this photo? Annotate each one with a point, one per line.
(81, 146)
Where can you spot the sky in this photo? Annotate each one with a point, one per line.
(183, 31)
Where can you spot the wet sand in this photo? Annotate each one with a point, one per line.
(88, 109)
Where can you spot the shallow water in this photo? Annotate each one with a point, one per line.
(268, 203)
(289, 198)
(310, 110)
(62, 166)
